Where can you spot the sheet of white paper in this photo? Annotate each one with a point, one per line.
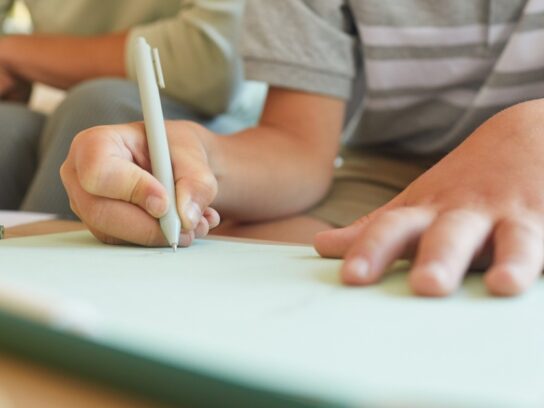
(13, 218)
(278, 316)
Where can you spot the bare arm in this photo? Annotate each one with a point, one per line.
(62, 61)
(280, 167)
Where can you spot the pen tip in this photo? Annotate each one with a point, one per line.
(174, 247)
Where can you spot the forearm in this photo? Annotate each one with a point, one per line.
(284, 165)
(266, 173)
(63, 61)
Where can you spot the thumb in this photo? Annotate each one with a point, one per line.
(104, 168)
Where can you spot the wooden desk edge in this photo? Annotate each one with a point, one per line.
(43, 228)
(57, 226)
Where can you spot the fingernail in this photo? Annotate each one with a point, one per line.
(432, 279)
(155, 206)
(507, 279)
(357, 268)
(193, 213)
(438, 271)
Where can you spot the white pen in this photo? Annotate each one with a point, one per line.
(149, 75)
(65, 314)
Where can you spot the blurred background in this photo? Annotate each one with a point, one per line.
(44, 98)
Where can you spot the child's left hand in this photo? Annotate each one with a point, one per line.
(485, 197)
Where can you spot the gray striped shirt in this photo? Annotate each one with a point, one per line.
(422, 74)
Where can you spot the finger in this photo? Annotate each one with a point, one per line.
(518, 257)
(186, 239)
(104, 166)
(383, 241)
(209, 220)
(212, 216)
(335, 243)
(202, 228)
(196, 185)
(446, 250)
(112, 221)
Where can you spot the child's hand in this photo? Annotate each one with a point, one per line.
(108, 178)
(487, 196)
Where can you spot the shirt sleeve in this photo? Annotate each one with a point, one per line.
(306, 45)
(198, 50)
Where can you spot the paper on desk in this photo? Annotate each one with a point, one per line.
(277, 317)
(12, 218)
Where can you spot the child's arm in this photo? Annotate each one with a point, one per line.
(197, 48)
(280, 167)
(61, 60)
(486, 196)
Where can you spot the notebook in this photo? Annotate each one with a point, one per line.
(246, 324)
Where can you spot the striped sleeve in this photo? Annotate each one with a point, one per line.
(434, 74)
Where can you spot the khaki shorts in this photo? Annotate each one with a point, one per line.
(365, 181)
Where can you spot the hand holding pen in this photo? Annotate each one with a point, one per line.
(150, 78)
(111, 184)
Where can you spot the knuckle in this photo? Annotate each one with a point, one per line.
(63, 173)
(524, 226)
(82, 138)
(136, 187)
(90, 167)
(393, 217)
(87, 166)
(208, 179)
(191, 125)
(89, 177)
(74, 207)
(203, 187)
(372, 243)
(464, 215)
(184, 129)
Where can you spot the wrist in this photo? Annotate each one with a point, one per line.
(212, 145)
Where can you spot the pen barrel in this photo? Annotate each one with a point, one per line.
(157, 140)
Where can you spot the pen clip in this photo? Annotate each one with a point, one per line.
(157, 67)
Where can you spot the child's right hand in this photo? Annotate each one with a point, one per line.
(107, 175)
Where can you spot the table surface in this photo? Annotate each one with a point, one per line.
(25, 384)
